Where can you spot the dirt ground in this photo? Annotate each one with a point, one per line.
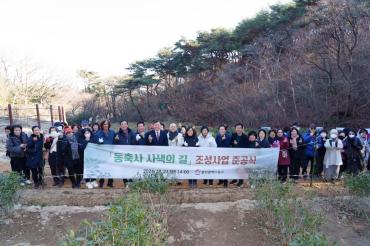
(203, 216)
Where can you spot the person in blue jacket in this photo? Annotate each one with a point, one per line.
(223, 140)
(34, 158)
(309, 140)
(105, 136)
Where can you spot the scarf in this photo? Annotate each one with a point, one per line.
(172, 135)
(74, 147)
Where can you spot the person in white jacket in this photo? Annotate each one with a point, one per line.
(175, 138)
(332, 158)
(206, 140)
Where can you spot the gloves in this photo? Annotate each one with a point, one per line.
(197, 144)
(185, 144)
(138, 137)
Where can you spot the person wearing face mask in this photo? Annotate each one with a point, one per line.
(352, 148)
(363, 133)
(332, 158)
(320, 146)
(86, 137)
(51, 147)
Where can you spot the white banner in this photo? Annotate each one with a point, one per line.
(133, 161)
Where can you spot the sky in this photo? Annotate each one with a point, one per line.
(106, 36)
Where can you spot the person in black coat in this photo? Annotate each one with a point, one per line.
(223, 140)
(239, 140)
(191, 140)
(352, 147)
(50, 146)
(262, 139)
(34, 158)
(140, 136)
(321, 139)
(16, 146)
(125, 136)
(157, 137)
(296, 152)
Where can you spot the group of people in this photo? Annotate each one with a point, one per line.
(328, 154)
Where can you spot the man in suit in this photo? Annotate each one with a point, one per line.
(157, 137)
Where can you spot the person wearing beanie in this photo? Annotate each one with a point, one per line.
(332, 158)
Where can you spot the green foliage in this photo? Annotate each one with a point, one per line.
(132, 220)
(279, 204)
(153, 183)
(359, 184)
(309, 239)
(9, 184)
(129, 222)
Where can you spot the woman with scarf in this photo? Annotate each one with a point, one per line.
(51, 147)
(332, 158)
(72, 159)
(34, 158)
(191, 140)
(284, 159)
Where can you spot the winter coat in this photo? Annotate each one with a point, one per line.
(125, 138)
(310, 144)
(34, 151)
(82, 146)
(284, 158)
(105, 138)
(139, 139)
(242, 141)
(296, 154)
(177, 141)
(13, 145)
(69, 159)
(352, 149)
(321, 146)
(208, 141)
(223, 143)
(332, 154)
(264, 143)
(162, 141)
(191, 141)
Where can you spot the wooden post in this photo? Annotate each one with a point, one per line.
(60, 114)
(38, 115)
(10, 114)
(64, 120)
(51, 115)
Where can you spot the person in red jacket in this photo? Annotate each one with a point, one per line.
(284, 159)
